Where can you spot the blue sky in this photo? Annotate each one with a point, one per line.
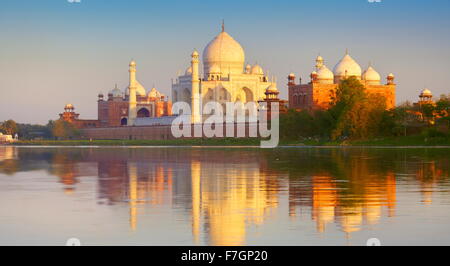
(53, 52)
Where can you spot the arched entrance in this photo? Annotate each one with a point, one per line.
(143, 112)
(245, 95)
(124, 121)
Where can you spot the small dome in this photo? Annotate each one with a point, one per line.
(188, 71)
(154, 93)
(69, 106)
(272, 88)
(195, 53)
(324, 73)
(391, 75)
(319, 58)
(291, 75)
(248, 68)
(426, 92)
(347, 67)
(257, 70)
(132, 63)
(371, 74)
(116, 92)
(215, 69)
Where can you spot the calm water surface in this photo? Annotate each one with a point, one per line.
(224, 196)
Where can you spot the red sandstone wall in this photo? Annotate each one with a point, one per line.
(146, 132)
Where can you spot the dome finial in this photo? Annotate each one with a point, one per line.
(346, 51)
(223, 25)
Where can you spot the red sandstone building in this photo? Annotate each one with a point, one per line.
(318, 93)
(114, 111)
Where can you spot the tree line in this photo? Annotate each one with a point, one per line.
(58, 129)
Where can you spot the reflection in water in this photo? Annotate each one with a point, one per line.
(226, 192)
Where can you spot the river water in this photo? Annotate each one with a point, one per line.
(224, 196)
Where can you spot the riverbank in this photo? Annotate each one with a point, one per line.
(393, 141)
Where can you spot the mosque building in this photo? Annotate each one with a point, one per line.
(130, 106)
(318, 93)
(225, 77)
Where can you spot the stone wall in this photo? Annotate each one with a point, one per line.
(160, 132)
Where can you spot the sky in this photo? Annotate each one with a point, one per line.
(53, 52)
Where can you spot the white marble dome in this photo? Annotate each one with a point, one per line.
(325, 74)
(215, 69)
(257, 70)
(347, 67)
(224, 52)
(371, 74)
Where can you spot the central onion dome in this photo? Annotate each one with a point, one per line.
(347, 67)
(224, 52)
(215, 69)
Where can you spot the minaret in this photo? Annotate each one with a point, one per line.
(132, 112)
(195, 100)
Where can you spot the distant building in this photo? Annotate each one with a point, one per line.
(272, 94)
(5, 139)
(115, 110)
(426, 99)
(123, 107)
(70, 116)
(319, 92)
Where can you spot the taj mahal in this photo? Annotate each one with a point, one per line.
(220, 74)
(225, 77)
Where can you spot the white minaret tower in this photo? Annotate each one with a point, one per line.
(132, 102)
(195, 100)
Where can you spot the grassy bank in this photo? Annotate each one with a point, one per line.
(392, 141)
(176, 142)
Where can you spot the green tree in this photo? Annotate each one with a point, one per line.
(9, 127)
(348, 110)
(64, 130)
